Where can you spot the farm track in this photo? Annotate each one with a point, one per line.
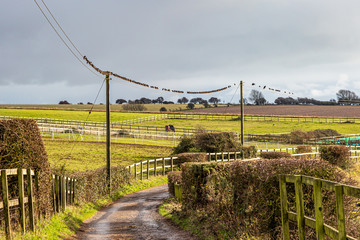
(134, 216)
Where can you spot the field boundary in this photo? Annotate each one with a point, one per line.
(63, 193)
(322, 229)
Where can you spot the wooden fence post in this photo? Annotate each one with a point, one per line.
(63, 194)
(300, 207)
(74, 190)
(222, 156)
(320, 235)
(70, 190)
(284, 208)
(135, 170)
(148, 169)
(5, 198)
(339, 192)
(163, 161)
(30, 199)
(56, 193)
(172, 163)
(21, 199)
(141, 170)
(155, 167)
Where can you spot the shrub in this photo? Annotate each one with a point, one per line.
(248, 152)
(275, 155)
(163, 109)
(190, 106)
(336, 154)
(173, 177)
(191, 157)
(134, 107)
(300, 137)
(21, 146)
(243, 199)
(304, 149)
(92, 185)
(187, 144)
(216, 142)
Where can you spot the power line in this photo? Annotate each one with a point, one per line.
(98, 70)
(58, 34)
(57, 23)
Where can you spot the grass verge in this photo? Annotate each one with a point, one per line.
(65, 224)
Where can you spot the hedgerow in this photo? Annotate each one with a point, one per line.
(21, 146)
(275, 155)
(304, 149)
(336, 154)
(92, 185)
(173, 177)
(242, 198)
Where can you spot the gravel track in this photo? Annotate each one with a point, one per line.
(134, 216)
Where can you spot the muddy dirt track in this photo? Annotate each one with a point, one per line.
(134, 216)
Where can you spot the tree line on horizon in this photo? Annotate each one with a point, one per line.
(344, 97)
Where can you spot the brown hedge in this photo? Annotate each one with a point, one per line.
(92, 185)
(21, 146)
(336, 154)
(275, 155)
(173, 177)
(242, 198)
(304, 149)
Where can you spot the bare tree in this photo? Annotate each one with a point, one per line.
(257, 97)
(344, 94)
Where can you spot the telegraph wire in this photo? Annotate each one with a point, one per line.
(57, 23)
(98, 70)
(61, 38)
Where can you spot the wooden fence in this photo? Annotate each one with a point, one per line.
(318, 224)
(63, 193)
(161, 166)
(260, 118)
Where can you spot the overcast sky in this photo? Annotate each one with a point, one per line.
(308, 47)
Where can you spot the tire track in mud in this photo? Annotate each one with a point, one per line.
(134, 216)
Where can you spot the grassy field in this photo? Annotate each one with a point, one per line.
(81, 156)
(71, 115)
(98, 107)
(256, 127)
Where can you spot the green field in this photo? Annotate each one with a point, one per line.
(81, 156)
(74, 154)
(72, 115)
(257, 127)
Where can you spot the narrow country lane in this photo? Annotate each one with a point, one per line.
(134, 216)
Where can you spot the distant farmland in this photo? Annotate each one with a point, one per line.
(288, 110)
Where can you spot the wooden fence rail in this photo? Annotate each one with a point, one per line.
(20, 202)
(318, 224)
(63, 193)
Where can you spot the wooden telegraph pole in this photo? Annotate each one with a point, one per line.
(108, 172)
(242, 113)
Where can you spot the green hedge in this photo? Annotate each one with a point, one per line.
(240, 199)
